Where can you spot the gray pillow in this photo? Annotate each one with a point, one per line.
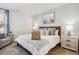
(52, 31)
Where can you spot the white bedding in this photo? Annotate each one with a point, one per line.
(38, 47)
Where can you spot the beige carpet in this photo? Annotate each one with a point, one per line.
(16, 50)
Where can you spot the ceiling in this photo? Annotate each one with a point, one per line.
(30, 8)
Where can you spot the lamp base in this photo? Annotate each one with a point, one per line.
(68, 34)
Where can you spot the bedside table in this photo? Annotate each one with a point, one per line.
(70, 42)
(35, 35)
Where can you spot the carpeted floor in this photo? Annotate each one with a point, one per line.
(16, 50)
(12, 50)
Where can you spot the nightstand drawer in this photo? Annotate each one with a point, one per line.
(66, 45)
(66, 41)
(69, 46)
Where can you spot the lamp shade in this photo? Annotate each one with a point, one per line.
(69, 27)
(35, 27)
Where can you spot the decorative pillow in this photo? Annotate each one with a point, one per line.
(56, 32)
(42, 31)
(46, 31)
(52, 31)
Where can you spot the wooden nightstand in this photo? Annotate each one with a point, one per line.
(70, 42)
(36, 35)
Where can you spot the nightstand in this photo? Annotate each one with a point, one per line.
(70, 42)
(35, 35)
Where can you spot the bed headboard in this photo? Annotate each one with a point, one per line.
(56, 27)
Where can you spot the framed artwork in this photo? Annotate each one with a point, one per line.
(49, 18)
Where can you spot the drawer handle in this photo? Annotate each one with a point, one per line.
(68, 40)
(68, 45)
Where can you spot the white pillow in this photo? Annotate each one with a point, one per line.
(42, 32)
(56, 32)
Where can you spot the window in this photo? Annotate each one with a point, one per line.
(4, 22)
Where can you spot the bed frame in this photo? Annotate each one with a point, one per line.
(59, 33)
(29, 53)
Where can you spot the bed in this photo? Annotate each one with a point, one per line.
(39, 47)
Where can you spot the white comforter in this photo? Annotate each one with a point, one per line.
(40, 47)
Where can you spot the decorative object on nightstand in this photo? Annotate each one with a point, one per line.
(70, 42)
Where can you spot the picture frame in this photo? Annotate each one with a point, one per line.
(49, 18)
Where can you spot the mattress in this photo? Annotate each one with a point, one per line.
(38, 47)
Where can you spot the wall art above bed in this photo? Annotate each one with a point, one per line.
(49, 18)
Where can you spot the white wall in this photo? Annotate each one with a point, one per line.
(67, 14)
(20, 23)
